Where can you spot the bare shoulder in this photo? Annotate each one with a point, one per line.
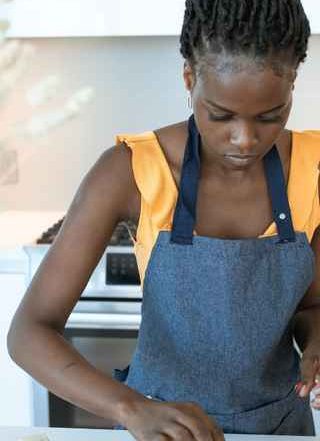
(112, 179)
(172, 140)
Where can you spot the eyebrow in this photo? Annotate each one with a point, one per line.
(211, 103)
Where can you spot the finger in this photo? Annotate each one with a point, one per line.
(305, 389)
(162, 437)
(203, 428)
(196, 426)
(315, 400)
(316, 387)
(218, 434)
(214, 428)
(315, 404)
(309, 370)
(179, 433)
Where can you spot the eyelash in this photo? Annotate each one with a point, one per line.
(228, 117)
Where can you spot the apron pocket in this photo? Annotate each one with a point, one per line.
(286, 416)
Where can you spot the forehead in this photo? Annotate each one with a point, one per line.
(244, 87)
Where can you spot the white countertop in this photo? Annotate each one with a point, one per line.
(54, 434)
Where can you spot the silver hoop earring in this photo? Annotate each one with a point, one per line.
(190, 101)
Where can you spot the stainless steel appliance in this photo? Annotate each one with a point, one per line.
(103, 326)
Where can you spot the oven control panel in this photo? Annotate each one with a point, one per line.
(121, 269)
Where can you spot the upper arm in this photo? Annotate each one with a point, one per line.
(101, 201)
(312, 296)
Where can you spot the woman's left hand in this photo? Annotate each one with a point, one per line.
(315, 397)
(310, 375)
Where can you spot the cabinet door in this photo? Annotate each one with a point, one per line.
(38, 18)
(15, 384)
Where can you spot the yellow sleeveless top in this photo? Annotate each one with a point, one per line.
(159, 192)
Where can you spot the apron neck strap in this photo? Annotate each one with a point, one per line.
(185, 213)
(278, 195)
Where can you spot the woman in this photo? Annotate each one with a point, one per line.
(227, 206)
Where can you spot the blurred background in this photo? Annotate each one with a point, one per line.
(136, 82)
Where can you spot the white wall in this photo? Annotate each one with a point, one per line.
(139, 87)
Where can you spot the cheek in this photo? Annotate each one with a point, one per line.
(212, 133)
(268, 133)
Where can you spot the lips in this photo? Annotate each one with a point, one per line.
(240, 160)
(241, 156)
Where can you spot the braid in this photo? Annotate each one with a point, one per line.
(251, 27)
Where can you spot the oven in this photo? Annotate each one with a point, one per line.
(103, 327)
(105, 333)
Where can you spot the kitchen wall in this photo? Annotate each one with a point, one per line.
(138, 83)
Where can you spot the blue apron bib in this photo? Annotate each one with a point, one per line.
(217, 315)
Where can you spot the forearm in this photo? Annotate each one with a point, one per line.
(49, 358)
(306, 328)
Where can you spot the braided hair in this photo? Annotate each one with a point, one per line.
(255, 28)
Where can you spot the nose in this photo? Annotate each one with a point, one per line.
(244, 137)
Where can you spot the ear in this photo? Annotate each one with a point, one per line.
(188, 76)
(294, 80)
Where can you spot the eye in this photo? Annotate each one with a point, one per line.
(221, 117)
(273, 119)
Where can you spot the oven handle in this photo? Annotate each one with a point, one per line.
(81, 320)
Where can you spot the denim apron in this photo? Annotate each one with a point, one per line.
(217, 314)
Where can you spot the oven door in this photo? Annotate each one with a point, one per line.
(105, 333)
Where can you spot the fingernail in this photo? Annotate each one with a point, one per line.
(316, 401)
(298, 387)
(303, 391)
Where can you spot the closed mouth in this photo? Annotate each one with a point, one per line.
(241, 156)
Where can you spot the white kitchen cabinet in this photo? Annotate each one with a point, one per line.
(78, 18)
(15, 384)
